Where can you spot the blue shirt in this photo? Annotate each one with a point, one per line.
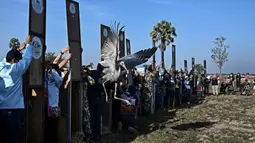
(125, 109)
(11, 81)
(186, 84)
(54, 81)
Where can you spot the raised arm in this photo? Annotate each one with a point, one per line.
(21, 67)
(22, 46)
(60, 65)
(58, 79)
(67, 81)
(59, 56)
(157, 68)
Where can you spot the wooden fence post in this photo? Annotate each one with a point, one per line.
(106, 125)
(74, 40)
(35, 103)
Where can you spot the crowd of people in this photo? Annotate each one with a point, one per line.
(141, 93)
(146, 92)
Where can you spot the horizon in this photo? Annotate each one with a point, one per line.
(197, 24)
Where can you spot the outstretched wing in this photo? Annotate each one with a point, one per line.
(138, 58)
(108, 53)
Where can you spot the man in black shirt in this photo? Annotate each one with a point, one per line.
(215, 85)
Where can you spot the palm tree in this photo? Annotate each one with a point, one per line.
(50, 56)
(14, 43)
(164, 33)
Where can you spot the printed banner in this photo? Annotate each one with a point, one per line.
(140, 69)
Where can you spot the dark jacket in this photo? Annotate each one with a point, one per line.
(95, 90)
(214, 81)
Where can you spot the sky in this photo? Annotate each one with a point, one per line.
(197, 23)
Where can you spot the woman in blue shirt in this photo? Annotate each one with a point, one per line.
(53, 81)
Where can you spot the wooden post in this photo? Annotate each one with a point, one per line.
(193, 63)
(35, 110)
(154, 56)
(104, 33)
(128, 47)
(185, 66)
(128, 50)
(173, 57)
(204, 67)
(193, 68)
(122, 43)
(107, 107)
(74, 40)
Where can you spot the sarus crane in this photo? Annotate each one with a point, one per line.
(111, 67)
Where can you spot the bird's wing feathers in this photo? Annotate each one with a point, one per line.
(109, 50)
(138, 58)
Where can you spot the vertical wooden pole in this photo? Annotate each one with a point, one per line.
(185, 66)
(193, 69)
(107, 107)
(154, 55)
(128, 51)
(173, 57)
(35, 103)
(204, 67)
(128, 47)
(193, 63)
(74, 40)
(122, 43)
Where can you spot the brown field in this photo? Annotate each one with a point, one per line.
(219, 119)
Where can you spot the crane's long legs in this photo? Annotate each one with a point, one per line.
(115, 95)
(106, 95)
(124, 66)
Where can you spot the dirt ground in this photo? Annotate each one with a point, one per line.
(219, 119)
